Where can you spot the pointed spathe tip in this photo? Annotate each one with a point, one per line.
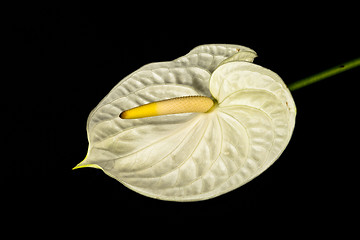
(81, 164)
(76, 167)
(85, 166)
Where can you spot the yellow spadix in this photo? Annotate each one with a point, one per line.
(187, 104)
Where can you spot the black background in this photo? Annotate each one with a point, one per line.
(61, 61)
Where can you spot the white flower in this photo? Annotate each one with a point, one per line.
(193, 156)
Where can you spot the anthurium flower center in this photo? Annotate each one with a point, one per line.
(188, 104)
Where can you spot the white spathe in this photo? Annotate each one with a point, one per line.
(193, 156)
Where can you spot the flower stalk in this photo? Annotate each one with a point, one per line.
(325, 74)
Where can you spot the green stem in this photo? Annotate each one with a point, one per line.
(325, 74)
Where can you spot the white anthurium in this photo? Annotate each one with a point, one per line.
(246, 124)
